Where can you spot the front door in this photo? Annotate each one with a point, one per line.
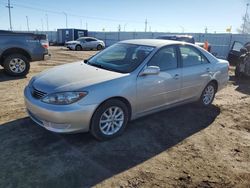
(155, 91)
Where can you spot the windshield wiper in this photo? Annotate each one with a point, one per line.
(96, 65)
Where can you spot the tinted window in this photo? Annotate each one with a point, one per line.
(165, 58)
(90, 39)
(191, 56)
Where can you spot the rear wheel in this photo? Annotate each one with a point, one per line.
(16, 65)
(208, 94)
(78, 48)
(99, 47)
(109, 120)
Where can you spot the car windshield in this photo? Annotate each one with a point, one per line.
(121, 57)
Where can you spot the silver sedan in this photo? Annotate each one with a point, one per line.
(123, 82)
(85, 43)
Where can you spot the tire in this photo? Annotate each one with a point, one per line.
(101, 114)
(16, 65)
(237, 72)
(208, 95)
(78, 48)
(99, 47)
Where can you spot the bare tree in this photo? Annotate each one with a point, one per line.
(245, 26)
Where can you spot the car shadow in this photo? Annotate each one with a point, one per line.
(34, 157)
(243, 84)
(4, 77)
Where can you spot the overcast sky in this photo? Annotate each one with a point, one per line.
(98, 15)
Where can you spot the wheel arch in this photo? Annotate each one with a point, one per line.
(123, 99)
(15, 50)
(215, 82)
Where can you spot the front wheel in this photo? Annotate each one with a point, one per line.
(78, 48)
(109, 120)
(16, 65)
(208, 94)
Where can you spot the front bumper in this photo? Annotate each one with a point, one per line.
(70, 46)
(59, 118)
(46, 56)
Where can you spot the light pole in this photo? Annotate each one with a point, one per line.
(9, 7)
(182, 29)
(66, 17)
(42, 24)
(27, 20)
(245, 19)
(47, 21)
(124, 26)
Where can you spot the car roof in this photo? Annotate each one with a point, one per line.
(152, 42)
(177, 36)
(87, 38)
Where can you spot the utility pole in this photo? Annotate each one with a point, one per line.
(47, 21)
(9, 7)
(245, 19)
(27, 20)
(66, 17)
(146, 25)
(86, 25)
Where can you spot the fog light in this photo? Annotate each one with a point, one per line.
(56, 125)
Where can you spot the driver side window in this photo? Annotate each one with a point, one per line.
(165, 59)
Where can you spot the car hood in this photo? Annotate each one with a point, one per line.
(72, 77)
(73, 42)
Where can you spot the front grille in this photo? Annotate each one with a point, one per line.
(37, 94)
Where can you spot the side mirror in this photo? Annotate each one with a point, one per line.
(85, 61)
(151, 70)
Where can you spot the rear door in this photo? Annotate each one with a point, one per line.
(91, 43)
(196, 71)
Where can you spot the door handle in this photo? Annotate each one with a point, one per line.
(207, 69)
(176, 76)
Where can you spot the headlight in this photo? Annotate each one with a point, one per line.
(64, 98)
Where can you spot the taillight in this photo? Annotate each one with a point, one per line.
(45, 43)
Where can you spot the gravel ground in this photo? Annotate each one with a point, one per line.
(187, 146)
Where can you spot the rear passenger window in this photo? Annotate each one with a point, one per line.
(165, 59)
(191, 56)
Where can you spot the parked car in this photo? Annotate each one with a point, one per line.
(18, 49)
(234, 54)
(126, 81)
(85, 43)
(184, 38)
